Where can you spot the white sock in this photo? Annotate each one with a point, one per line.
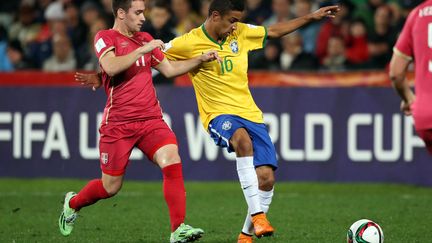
(249, 183)
(265, 200)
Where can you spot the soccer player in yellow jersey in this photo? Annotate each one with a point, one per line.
(225, 104)
(227, 109)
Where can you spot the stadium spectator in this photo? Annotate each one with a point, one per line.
(337, 26)
(5, 63)
(293, 58)
(63, 58)
(90, 12)
(266, 59)
(308, 33)
(17, 57)
(107, 12)
(76, 29)
(41, 49)
(88, 60)
(159, 25)
(356, 45)
(381, 38)
(365, 10)
(25, 29)
(185, 18)
(257, 11)
(281, 11)
(335, 60)
(41, 6)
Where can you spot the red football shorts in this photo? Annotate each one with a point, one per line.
(117, 141)
(426, 135)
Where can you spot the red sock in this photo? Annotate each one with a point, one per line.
(175, 194)
(91, 193)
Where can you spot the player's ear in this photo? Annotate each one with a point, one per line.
(216, 16)
(121, 13)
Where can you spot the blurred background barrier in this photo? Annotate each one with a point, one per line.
(321, 134)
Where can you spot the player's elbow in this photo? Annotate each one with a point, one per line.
(272, 33)
(396, 75)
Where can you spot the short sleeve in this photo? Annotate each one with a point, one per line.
(157, 57)
(178, 48)
(404, 44)
(254, 35)
(103, 43)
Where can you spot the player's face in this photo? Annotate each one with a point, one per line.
(134, 18)
(228, 23)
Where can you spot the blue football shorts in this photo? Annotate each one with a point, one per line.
(222, 128)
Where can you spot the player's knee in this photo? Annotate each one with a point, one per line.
(112, 188)
(266, 179)
(266, 184)
(168, 159)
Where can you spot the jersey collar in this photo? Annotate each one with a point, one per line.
(210, 38)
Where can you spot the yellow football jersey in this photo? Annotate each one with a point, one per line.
(221, 88)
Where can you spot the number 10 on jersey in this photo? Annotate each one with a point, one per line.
(226, 65)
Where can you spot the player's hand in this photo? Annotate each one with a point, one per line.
(329, 12)
(406, 107)
(210, 56)
(150, 46)
(88, 79)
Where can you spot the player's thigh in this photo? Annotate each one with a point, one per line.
(426, 136)
(115, 146)
(155, 138)
(222, 129)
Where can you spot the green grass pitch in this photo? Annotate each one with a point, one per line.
(301, 212)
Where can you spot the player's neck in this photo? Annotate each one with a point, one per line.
(211, 31)
(122, 29)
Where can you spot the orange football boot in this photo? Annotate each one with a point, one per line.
(244, 238)
(262, 225)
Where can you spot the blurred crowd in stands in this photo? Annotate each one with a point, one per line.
(57, 35)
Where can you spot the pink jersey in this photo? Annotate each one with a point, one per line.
(131, 94)
(415, 42)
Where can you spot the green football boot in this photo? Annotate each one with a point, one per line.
(67, 216)
(186, 233)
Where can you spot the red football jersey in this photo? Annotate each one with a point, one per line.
(415, 41)
(131, 94)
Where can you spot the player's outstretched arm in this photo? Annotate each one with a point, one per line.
(280, 29)
(114, 65)
(174, 68)
(398, 69)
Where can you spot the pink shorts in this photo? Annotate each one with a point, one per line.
(426, 135)
(117, 141)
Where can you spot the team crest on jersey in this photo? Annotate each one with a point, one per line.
(104, 158)
(226, 125)
(124, 44)
(234, 46)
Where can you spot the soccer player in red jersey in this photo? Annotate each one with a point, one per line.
(415, 43)
(133, 118)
